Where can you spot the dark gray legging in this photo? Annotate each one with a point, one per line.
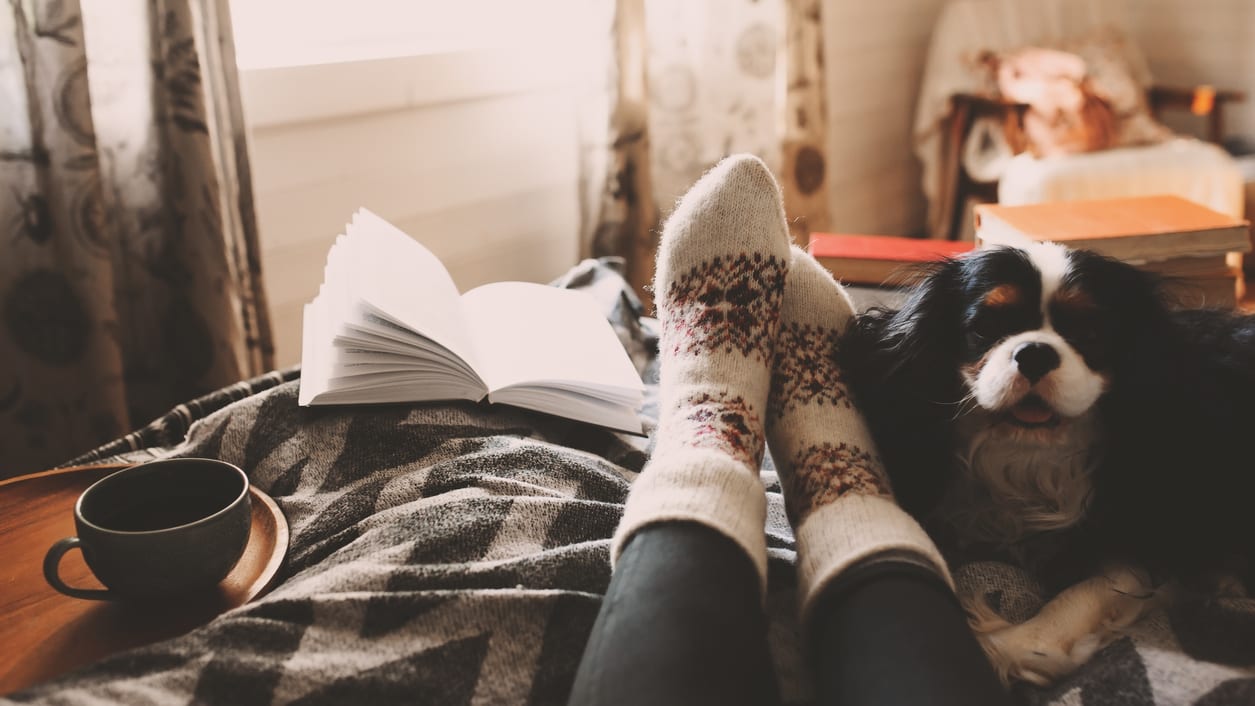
(682, 623)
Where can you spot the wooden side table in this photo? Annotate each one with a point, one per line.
(45, 634)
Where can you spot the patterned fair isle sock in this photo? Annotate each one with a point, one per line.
(836, 493)
(720, 274)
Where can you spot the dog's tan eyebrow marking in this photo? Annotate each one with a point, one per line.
(1002, 295)
(1074, 298)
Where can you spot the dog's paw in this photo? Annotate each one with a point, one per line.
(1020, 653)
(982, 617)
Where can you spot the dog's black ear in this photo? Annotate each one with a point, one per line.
(926, 329)
(1122, 287)
(909, 343)
(1139, 303)
(902, 367)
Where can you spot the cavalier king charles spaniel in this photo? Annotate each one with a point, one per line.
(1049, 405)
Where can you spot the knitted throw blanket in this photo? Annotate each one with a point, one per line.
(456, 554)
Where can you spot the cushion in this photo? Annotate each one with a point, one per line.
(1189, 168)
(1113, 78)
(1066, 114)
(1083, 96)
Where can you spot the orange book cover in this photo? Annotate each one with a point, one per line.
(1144, 227)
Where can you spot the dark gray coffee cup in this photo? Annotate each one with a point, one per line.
(159, 528)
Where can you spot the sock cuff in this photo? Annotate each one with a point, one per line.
(703, 487)
(853, 530)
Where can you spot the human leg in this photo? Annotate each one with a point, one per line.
(875, 597)
(683, 621)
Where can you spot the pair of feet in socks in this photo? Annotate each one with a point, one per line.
(749, 328)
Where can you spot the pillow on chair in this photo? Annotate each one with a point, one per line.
(1065, 114)
(1114, 79)
(1083, 97)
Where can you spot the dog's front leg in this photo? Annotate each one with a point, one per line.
(1068, 629)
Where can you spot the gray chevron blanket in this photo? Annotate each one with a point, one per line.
(456, 554)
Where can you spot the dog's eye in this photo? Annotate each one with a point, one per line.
(1087, 332)
(985, 328)
(1087, 339)
(989, 324)
(1080, 330)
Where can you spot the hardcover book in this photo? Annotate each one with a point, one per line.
(1137, 230)
(1205, 292)
(389, 325)
(878, 259)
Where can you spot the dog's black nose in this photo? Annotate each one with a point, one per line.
(1035, 359)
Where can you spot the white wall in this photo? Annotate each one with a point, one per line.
(473, 154)
(874, 55)
(1189, 42)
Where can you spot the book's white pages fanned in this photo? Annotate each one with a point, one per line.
(388, 325)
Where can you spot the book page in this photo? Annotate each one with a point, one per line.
(403, 281)
(621, 416)
(527, 333)
(315, 368)
(386, 325)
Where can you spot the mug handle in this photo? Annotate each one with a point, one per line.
(52, 565)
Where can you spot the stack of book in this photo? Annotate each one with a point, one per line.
(1195, 249)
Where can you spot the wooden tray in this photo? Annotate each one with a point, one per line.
(45, 634)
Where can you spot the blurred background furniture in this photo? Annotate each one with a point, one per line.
(963, 120)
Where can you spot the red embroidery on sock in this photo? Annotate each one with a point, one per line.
(724, 422)
(805, 371)
(726, 303)
(823, 473)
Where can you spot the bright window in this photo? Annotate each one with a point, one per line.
(275, 33)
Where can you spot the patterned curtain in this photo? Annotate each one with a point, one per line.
(129, 262)
(689, 83)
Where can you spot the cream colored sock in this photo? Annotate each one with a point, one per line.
(720, 274)
(836, 492)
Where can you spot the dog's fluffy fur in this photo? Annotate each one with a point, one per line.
(1048, 403)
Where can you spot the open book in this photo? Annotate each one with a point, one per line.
(388, 325)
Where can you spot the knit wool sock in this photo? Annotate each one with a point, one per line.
(836, 491)
(719, 277)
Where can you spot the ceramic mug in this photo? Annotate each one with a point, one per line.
(159, 528)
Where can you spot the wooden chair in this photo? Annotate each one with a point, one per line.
(968, 108)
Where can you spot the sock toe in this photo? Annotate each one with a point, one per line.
(734, 209)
